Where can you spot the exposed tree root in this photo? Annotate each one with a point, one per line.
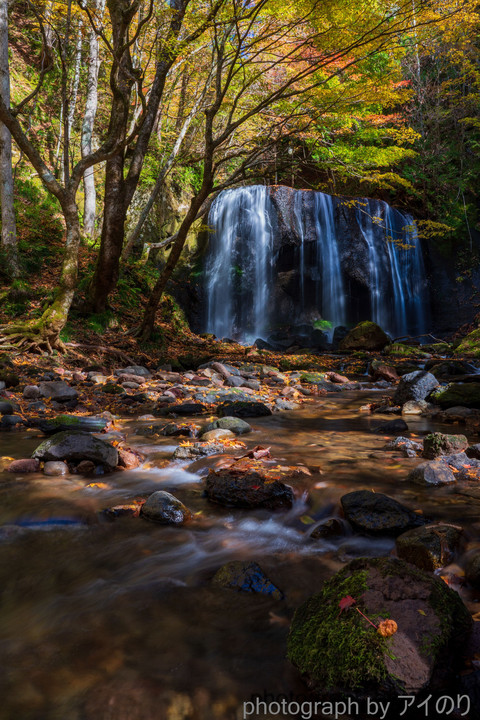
(30, 337)
(101, 349)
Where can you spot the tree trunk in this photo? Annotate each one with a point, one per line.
(107, 270)
(91, 103)
(9, 228)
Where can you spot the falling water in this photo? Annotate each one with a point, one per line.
(239, 269)
(247, 284)
(332, 292)
(396, 271)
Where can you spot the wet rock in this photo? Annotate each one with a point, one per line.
(10, 421)
(364, 336)
(408, 447)
(417, 407)
(243, 408)
(391, 427)
(2, 386)
(473, 451)
(231, 395)
(331, 528)
(131, 510)
(51, 426)
(286, 405)
(254, 488)
(6, 408)
(378, 514)
(55, 468)
(234, 424)
(381, 371)
(86, 467)
(27, 465)
(218, 434)
(72, 446)
(427, 613)
(31, 392)
(414, 386)
(129, 459)
(247, 577)
(198, 449)
(174, 430)
(431, 474)
(183, 409)
(58, 390)
(166, 509)
(464, 394)
(472, 570)
(436, 444)
(430, 547)
(138, 370)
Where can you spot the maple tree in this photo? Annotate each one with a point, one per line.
(220, 93)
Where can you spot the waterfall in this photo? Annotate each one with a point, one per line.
(239, 269)
(331, 294)
(281, 257)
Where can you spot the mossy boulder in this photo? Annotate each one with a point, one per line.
(463, 394)
(430, 547)
(401, 350)
(364, 336)
(437, 444)
(340, 653)
(470, 345)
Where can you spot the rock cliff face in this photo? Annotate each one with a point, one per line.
(279, 255)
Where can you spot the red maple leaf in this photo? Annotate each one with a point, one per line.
(346, 602)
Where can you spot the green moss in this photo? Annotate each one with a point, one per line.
(401, 350)
(336, 650)
(470, 345)
(313, 377)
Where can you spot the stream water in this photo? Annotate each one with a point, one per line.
(118, 620)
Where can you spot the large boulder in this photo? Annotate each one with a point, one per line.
(253, 488)
(415, 386)
(77, 446)
(470, 345)
(464, 394)
(51, 426)
(378, 514)
(366, 335)
(340, 653)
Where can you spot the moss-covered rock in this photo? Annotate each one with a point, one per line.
(470, 345)
(437, 444)
(401, 350)
(364, 336)
(341, 653)
(462, 394)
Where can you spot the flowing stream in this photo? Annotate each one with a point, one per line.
(106, 620)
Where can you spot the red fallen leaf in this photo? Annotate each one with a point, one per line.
(346, 602)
